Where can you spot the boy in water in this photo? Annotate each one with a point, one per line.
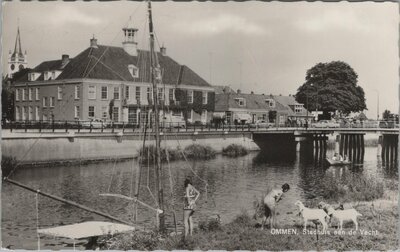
(270, 202)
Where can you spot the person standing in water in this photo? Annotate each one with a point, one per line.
(191, 196)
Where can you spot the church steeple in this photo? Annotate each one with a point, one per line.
(17, 60)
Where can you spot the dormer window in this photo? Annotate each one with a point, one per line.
(241, 101)
(270, 103)
(134, 71)
(158, 74)
(51, 75)
(33, 76)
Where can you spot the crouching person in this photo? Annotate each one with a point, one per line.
(270, 203)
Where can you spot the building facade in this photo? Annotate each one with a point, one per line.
(240, 108)
(112, 84)
(298, 114)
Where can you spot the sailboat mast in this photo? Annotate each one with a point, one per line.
(154, 66)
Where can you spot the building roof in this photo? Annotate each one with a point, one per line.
(111, 63)
(226, 101)
(289, 102)
(223, 89)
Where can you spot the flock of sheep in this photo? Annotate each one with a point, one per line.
(325, 213)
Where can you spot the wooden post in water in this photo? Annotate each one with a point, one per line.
(346, 144)
(316, 145)
(350, 147)
(359, 148)
(362, 148)
(396, 148)
(391, 149)
(341, 144)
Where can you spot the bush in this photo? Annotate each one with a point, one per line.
(196, 151)
(210, 225)
(135, 240)
(234, 150)
(148, 153)
(7, 165)
(352, 188)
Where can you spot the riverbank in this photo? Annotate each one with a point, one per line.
(377, 231)
(65, 148)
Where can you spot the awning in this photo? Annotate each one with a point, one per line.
(243, 117)
(219, 114)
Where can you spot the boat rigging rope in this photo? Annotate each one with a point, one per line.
(171, 183)
(112, 175)
(188, 166)
(37, 219)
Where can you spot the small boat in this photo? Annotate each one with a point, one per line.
(337, 162)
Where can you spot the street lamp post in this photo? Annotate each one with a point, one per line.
(377, 112)
(307, 111)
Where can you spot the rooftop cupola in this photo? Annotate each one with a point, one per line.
(129, 44)
(93, 42)
(163, 50)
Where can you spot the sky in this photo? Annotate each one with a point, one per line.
(252, 46)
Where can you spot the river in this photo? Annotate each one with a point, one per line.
(233, 184)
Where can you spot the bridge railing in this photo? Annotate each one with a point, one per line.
(100, 126)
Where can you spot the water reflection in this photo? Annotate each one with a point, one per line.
(232, 185)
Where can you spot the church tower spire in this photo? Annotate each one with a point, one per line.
(17, 60)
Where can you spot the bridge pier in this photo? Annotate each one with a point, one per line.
(389, 148)
(351, 145)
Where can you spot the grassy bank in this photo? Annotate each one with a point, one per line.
(243, 233)
(234, 150)
(375, 200)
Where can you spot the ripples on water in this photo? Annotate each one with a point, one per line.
(233, 184)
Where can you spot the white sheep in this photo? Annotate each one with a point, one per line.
(312, 214)
(345, 215)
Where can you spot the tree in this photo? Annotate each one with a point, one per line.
(332, 87)
(7, 100)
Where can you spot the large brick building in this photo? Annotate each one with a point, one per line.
(111, 83)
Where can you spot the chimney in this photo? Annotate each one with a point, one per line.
(238, 91)
(64, 59)
(163, 51)
(93, 43)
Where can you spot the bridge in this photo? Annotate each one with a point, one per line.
(272, 140)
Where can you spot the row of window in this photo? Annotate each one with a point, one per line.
(242, 102)
(20, 94)
(48, 75)
(104, 112)
(26, 113)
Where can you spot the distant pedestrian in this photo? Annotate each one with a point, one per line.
(191, 196)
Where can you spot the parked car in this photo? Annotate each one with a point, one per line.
(262, 124)
(326, 124)
(94, 123)
(171, 121)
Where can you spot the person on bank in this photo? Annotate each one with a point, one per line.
(270, 202)
(191, 196)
